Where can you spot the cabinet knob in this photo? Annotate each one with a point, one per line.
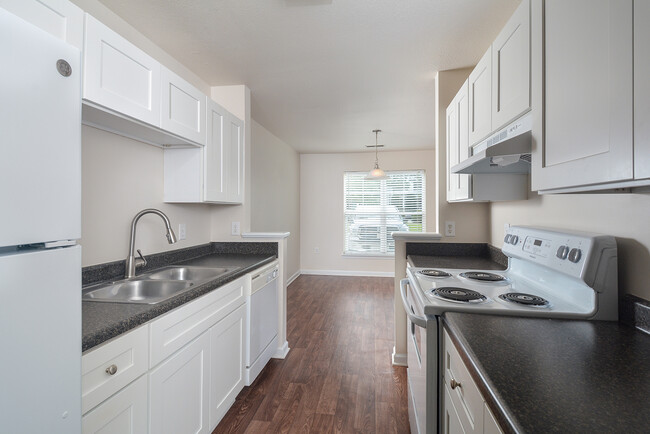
(111, 370)
(454, 384)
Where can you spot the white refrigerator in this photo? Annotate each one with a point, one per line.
(40, 221)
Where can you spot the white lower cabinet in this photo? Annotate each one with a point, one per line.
(178, 374)
(226, 363)
(464, 409)
(178, 390)
(123, 413)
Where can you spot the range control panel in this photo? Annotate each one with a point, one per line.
(567, 252)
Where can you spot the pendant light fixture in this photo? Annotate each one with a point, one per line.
(376, 173)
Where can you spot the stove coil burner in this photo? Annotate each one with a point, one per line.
(482, 276)
(525, 299)
(459, 294)
(434, 273)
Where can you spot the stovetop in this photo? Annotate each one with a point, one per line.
(454, 291)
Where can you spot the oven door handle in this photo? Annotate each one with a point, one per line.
(415, 319)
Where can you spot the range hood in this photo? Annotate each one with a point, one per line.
(506, 151)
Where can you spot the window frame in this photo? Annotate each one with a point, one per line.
(384, 251)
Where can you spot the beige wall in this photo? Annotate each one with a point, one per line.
(472, 219)
(321, 207)
(623, 215)
(275, 199)
(120, 177)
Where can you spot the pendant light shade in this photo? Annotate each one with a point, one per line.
(376, 173)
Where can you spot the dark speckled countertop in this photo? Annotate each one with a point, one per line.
(557, 376)
(102, 321)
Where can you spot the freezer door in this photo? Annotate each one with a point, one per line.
(40, 341)
(40, 135)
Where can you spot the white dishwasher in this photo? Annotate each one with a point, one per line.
(262, 318)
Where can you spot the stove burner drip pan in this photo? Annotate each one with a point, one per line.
(463, 295)
(482, 276)
(434, 273)
(525, 299)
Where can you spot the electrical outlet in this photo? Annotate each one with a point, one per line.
(450, 229)
(316, 250)
(182, 231)
(235, 228)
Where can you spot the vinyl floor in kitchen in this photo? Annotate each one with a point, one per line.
(338, 375)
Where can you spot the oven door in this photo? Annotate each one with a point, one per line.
(422, 374)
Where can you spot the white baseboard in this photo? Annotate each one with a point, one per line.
(399, 359)
(293, 277)
(349, 273)
(282, 351)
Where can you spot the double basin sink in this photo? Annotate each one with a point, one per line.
(154, 287)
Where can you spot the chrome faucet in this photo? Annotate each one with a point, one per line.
(132, 262)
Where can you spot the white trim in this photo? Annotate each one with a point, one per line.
(293, 277)
(368, 255)
(282, 351)
(399, 359)
(417, 236)
(349, 273)
(265, 234)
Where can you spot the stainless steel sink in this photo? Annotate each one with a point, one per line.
(195, 274)
(136, 291)
(154, 287)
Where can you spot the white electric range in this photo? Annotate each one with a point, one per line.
(550, 274)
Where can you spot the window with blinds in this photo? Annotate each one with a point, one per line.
(374, 209)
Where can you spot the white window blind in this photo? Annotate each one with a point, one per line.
(375, 209)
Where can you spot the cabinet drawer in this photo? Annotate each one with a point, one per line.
(465, 395)
(172, 331)
(124, 413)
(130, 358)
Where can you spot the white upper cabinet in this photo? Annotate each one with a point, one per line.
(120, 76)
(458, 186)
(582, 86)
(57, 17)
(480, 99)
(641, 89)
(215, 162)
(511, 68)
(182, 107)
(234, 155)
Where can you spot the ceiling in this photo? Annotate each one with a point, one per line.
(324, 73)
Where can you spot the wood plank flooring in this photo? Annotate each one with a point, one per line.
(338, 376)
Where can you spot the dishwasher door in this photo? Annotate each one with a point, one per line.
(262, 320)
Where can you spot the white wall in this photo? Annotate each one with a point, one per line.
(120, 177)
(275, 200)
(625, 216)
(321, 207)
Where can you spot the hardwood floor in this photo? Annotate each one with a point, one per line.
(338, 376)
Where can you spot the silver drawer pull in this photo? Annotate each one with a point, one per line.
(454, 384)
(111, 370)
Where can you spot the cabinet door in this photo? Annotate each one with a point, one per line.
(123, 413)
(235, 157)
(641, 90)
(183, 108)
(215, 163)
(511, 68)
(226, 363)
(60, 18)
(480, 99)
(582, 84)
(178, 391)
(120, 76)
(450, 419)
(490, 425)
(458, 186)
